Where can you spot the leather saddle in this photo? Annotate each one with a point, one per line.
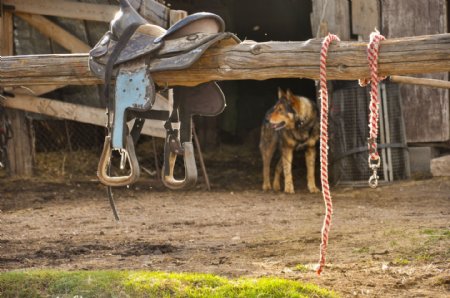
(125, 57)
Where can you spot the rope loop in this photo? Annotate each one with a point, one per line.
(373, 49)
(324, 149)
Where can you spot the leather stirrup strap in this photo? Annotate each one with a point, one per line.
(182, 145)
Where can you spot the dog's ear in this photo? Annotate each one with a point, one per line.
(289, 93)
(290, 96)
(281, 93)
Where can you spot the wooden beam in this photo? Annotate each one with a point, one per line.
(79, 113)
(434, 83)
(64, 38)
(36, 90)
(252, 61)
(6, 34)
(67, 9)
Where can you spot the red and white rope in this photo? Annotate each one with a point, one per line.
(324, 149)
(374, 106)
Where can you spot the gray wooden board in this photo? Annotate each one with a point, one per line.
(425, 110)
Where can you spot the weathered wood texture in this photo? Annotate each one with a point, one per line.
(20, 147)
(67, 9)
(6, 34)
(55, 32)
(420, 81)
(410, 18)
(365, 17)
(155, 12)
(80, 113)
(331, 16)
(257, 61)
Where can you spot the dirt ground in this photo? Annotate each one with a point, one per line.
(393, 241)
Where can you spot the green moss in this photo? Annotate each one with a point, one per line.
(148, 284)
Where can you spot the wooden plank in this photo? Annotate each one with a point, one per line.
(64, 38)
(66, 9)
(33, 90)
(331, 16)
(176, 15)
(430, 105)
(365, 17)
(250, 60)
(79, 113)
(155, 12)
(6, 34)
(420, 81)
(20, 147)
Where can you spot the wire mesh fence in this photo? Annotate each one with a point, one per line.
(349, 130)
(71, 150)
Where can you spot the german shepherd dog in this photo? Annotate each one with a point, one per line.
(292, 124)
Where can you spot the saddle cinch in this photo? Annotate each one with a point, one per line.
(130, 52)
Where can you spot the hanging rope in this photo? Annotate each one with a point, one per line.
(324, 149)
(372, 56)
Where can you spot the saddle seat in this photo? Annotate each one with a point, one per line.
(187, 39)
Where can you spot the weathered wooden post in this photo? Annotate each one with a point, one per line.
(20, 147)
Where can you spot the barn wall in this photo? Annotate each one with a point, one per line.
(331, 16)
(425, 110)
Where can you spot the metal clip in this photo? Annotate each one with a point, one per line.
(374, 165)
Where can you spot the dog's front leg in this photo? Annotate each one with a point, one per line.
(286, 156)
(266, 157)
(267, 146)
(277, 175)
(310, 156)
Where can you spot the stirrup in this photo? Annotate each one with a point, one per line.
(105, 160)
(190, 168)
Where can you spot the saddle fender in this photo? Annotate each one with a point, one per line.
(204, 100)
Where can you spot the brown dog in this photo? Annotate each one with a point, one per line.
(292, 124)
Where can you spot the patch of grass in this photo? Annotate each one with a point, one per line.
(46, 283)
(301, 268)
(437, 233)
(362, 250)
(424, 257)
(401, 262)
(393, 243)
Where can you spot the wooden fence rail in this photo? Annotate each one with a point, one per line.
(251, 60)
